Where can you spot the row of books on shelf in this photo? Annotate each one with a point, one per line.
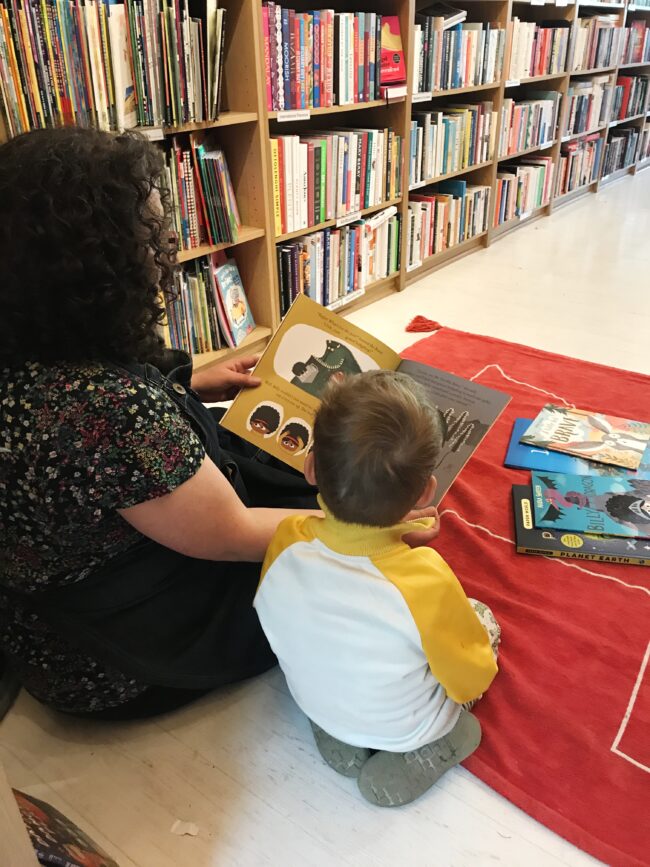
(620, 151)
(322, 58)
(450, 140)
(521, 188)
(210, 309)
(579, 163)
(538, 49)
(589, 490)
(204, 208)
(446, 215)
(629, 97)
(636, 47)
(598, 42)
(588, 104)
(110, 65)
(332, 264)
(466, 55)
(644, 146)
(528, 122)
(325, 175)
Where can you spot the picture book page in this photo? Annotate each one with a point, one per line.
(312, 347)
(468, 412)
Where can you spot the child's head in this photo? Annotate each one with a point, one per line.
(376, 442)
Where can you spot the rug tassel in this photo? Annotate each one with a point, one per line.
(421, 323)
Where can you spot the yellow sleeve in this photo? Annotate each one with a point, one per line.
(296, 528)
(456, 645)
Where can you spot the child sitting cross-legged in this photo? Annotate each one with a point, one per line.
(380, 646)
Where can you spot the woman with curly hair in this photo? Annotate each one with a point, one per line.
(131, 526)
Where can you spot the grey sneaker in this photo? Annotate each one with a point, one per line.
(394, 779)
(343, 758)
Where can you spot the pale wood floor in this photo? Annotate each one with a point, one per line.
(242, 765)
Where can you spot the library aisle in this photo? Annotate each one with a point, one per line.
(242, 764)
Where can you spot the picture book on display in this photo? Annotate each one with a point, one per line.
(603, 438)
(530, 539)
(314, 346)
(592, 504)
(524, 457)
(234, 314)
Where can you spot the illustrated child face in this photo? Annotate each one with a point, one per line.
(265, 420)
(294, 437)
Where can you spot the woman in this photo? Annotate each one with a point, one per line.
(131, 528)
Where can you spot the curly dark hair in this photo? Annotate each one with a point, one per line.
(85, 256)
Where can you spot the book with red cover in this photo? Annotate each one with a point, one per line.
(393, 68)
(624, 81)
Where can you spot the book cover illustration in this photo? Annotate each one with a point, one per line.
(393, 68)
(571, 545)
(592, 504)
(234, 303)
(313, 347)
(607, 439)
(524, 457)
(56, 839)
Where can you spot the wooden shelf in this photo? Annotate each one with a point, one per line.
(517, 82)
(472, 168)
(593, 71)
(613, 123)
(505, 228)
(619, 173)
(543, 147)
(226, 118)
(336, 109)
(565, 198)
(246, 233)
(252, 343)
(373, 292)
(634, 65)
(455, 91)
(287, 236)
(574, 135)
(596, 5)
(454, 252)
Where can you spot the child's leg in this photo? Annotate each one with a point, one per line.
(343, 758)
(394, 779)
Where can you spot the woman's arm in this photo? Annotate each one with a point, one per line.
(204, 518)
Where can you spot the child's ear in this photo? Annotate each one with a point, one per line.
(427, 494)
(309, 469)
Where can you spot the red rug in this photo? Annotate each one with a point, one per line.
(567, 721)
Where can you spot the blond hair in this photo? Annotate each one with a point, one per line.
(376, 442)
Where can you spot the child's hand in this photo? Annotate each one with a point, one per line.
(426, 535)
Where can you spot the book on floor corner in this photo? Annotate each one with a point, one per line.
(592, 504)
(530, 539)
(313, 346)
(607, 439)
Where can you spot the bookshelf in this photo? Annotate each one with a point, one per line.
(246, 124)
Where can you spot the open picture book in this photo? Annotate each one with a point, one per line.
(314, 346)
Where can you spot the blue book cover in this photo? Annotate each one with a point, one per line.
(234, 304)
(286, 62)
(458, 38)
(525, 457)
(611, 506)
(457, 189)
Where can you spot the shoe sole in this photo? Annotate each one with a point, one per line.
(342, 758)
(396, 779)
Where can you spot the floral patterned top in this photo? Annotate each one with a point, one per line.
(77, 443)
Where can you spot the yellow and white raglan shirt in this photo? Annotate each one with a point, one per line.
(378, 642)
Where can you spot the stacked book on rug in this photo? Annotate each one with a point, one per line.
(204, 205)
(589, 494)
(538, 49)
(450, 140)
(339, 264)
(451, 53)
(326, 175)
(210, 310)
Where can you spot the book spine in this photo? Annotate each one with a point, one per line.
(286, 67)
(317, 31)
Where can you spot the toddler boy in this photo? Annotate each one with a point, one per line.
(379, 644)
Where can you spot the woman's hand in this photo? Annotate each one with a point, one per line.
(223, 381)
(420, 538)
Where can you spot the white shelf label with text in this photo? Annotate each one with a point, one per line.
(538, 2)
(346, 299)
(293, 114)
(413, 266)
(513, 82)
(546, 145)
(153, 133)
(349, 218)
(418, 185)
(525, 215)
(421, 97)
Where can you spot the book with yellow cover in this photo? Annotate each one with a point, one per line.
(314, 347)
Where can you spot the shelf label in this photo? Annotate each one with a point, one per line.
(566, 138)
(513, 82)
(346, 299)
(424, 96)
(418, 185)
(294, 114)
(349, 218)
(546, 145)
(413, 266)
(538, 2)
(525, 215)
(153, 133)
(561, 2)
